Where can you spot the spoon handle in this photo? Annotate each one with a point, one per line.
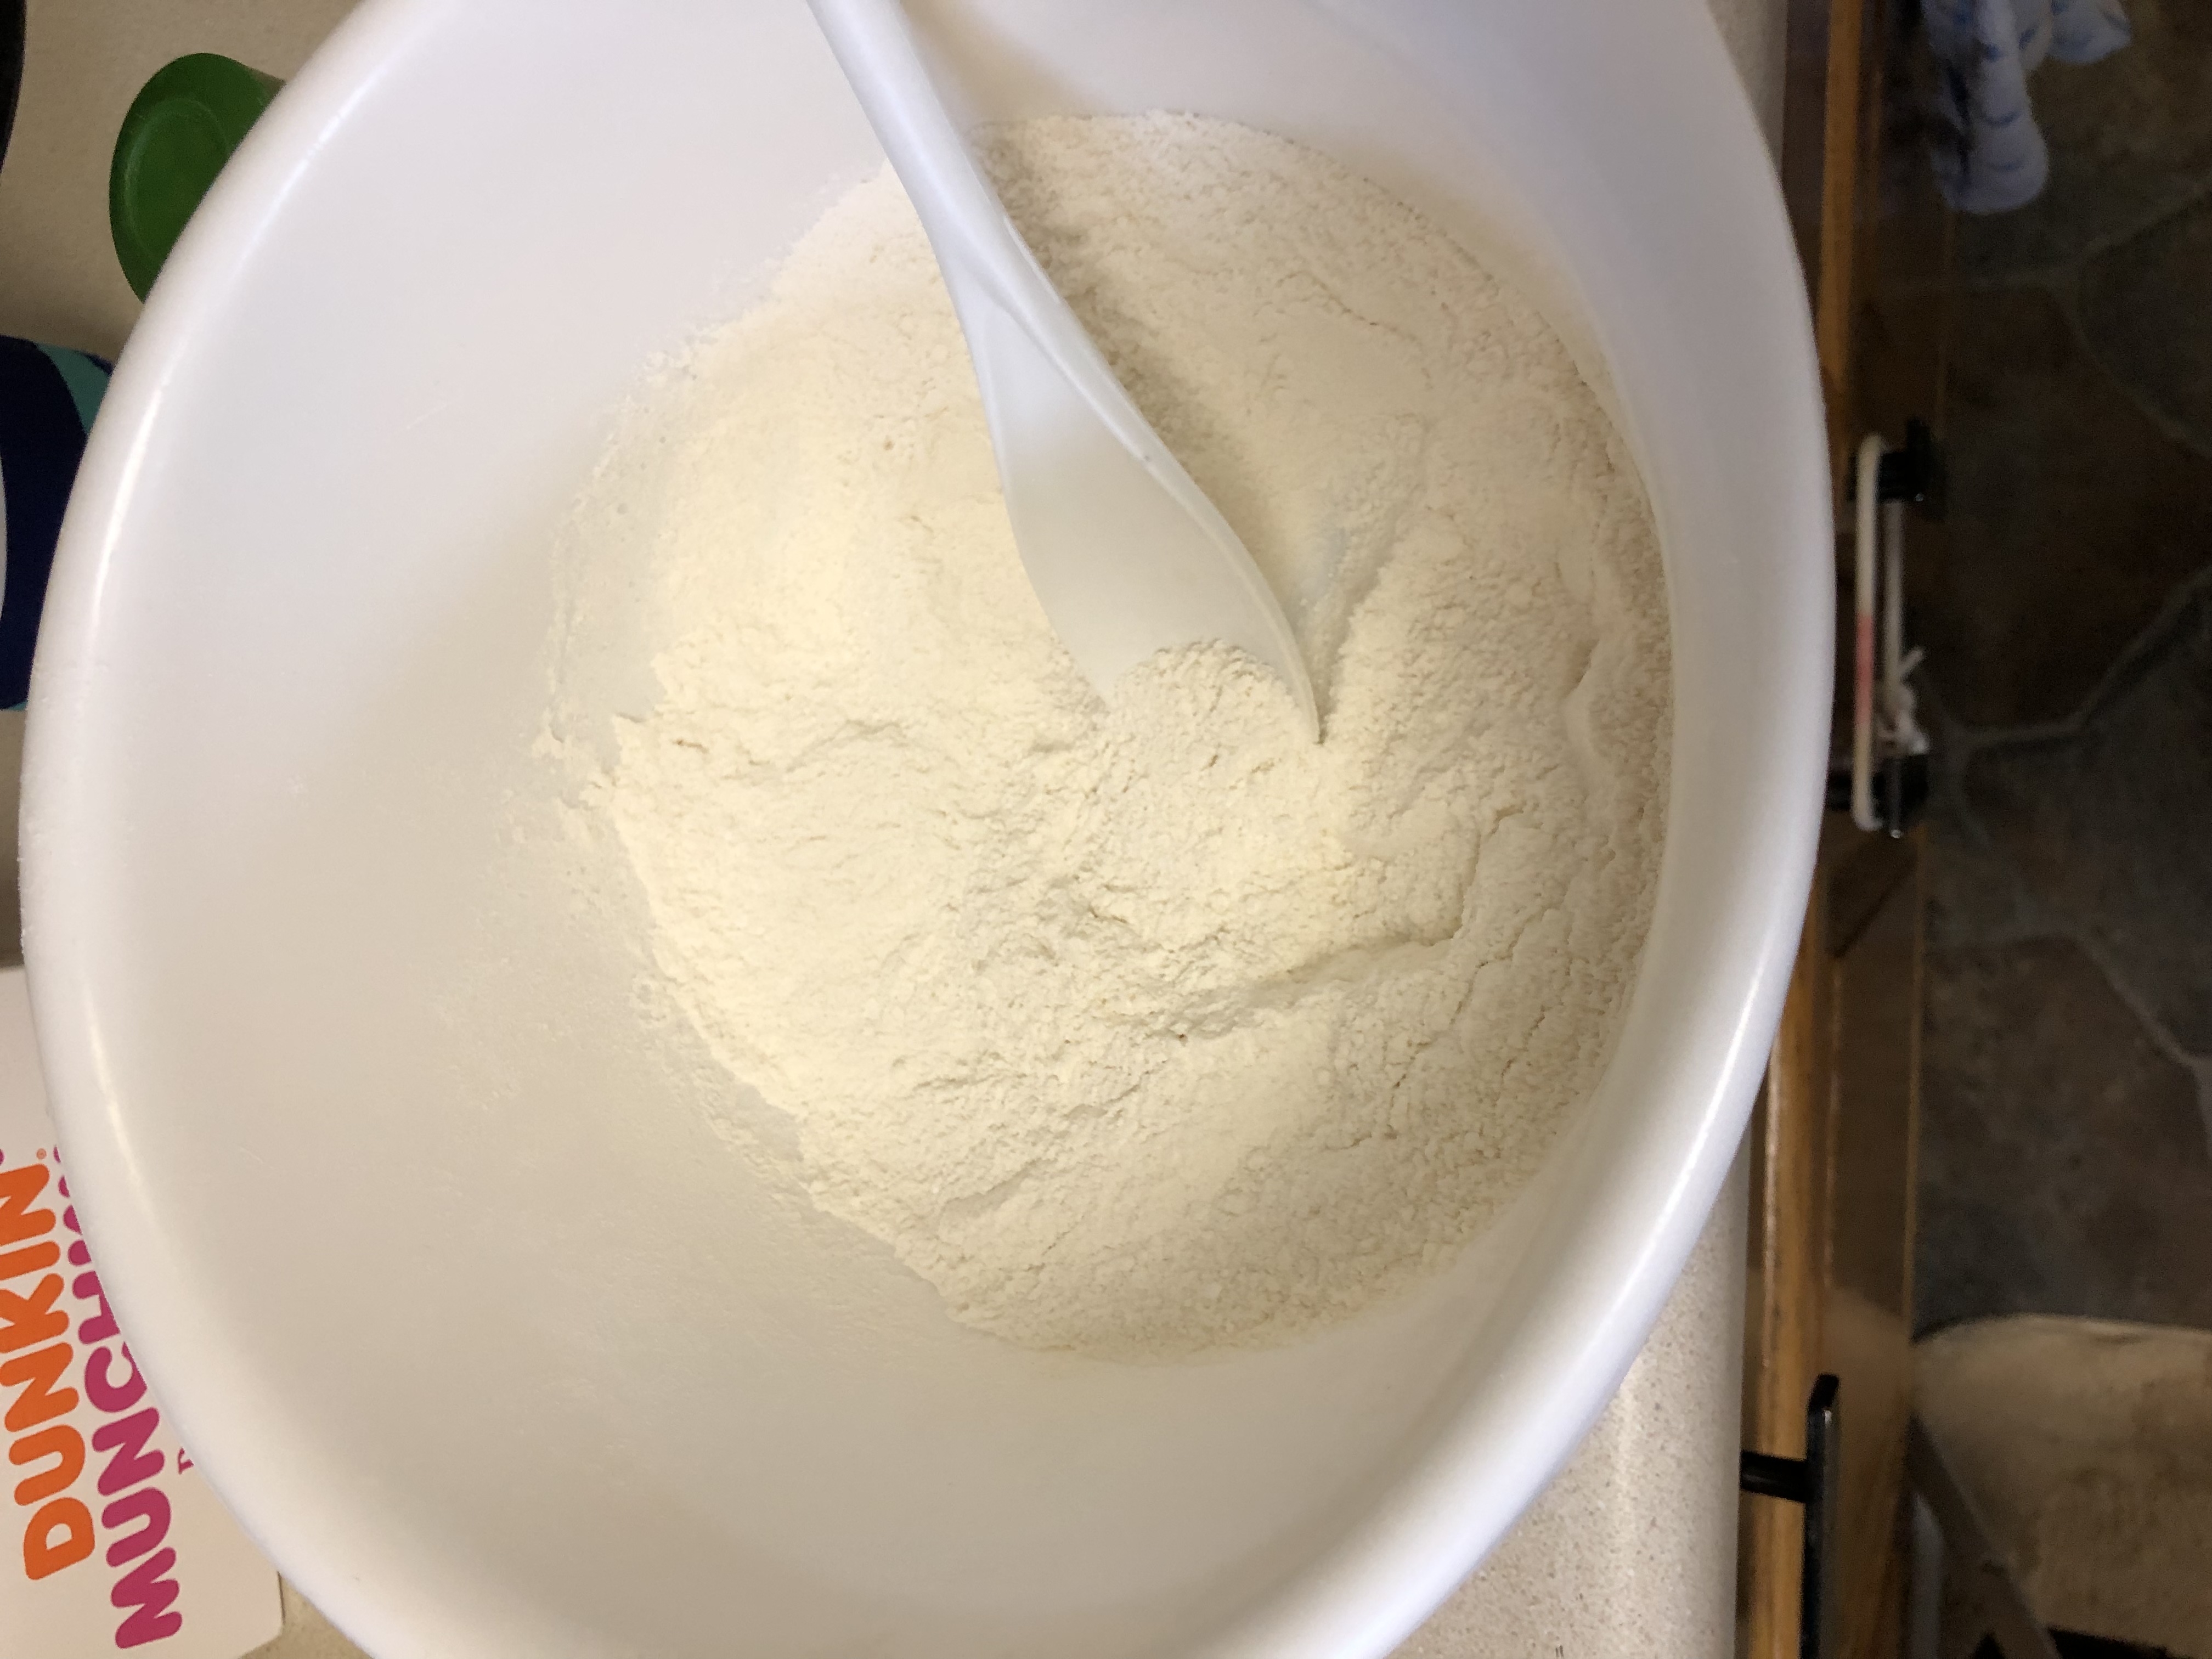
(976, 243)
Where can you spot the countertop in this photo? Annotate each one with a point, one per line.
(1631, 1550)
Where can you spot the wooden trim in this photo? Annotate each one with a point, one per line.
(1874, 998)
(1841, 154)
(1832, 138)
(1783, 1321)
(1830, 1283)
(1833, 1140)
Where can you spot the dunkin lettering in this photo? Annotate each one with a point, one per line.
(61, 1481)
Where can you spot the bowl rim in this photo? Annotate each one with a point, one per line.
(1393, 1567)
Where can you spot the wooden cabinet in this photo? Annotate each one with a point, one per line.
(1830, 1287)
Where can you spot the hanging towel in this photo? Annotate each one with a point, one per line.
(1992, 159)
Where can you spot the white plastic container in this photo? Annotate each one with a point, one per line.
(449, 1286)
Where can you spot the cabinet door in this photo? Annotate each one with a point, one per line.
(1830, 1287)
(1833, 1167)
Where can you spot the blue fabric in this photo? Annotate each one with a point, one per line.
(46, 401)
(1993, 158)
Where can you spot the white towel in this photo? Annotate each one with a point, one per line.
(1993, 159)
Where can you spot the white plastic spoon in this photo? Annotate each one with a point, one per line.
(1128, 555)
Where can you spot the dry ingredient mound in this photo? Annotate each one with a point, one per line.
(1143, 1026)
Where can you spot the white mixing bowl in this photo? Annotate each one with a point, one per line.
(410, 1209)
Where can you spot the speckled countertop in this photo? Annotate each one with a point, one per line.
(1631, 1551)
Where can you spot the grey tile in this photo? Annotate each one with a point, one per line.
(2063, 1167)
(2130, 138)
(2112, 828)
(2072, 517)
(2142, 307)
(1974, 894)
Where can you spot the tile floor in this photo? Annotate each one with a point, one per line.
(2066, 603)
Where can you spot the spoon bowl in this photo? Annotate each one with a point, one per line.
(1128, 555)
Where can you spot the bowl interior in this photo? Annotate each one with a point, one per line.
(475, 1322)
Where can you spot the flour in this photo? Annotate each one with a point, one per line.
(1143, 1026)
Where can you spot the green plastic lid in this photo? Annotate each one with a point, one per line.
(182, 127)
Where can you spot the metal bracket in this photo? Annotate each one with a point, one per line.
(1916, 473)
(1814, 1480)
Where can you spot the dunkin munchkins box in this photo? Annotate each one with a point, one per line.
(113, 1541)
